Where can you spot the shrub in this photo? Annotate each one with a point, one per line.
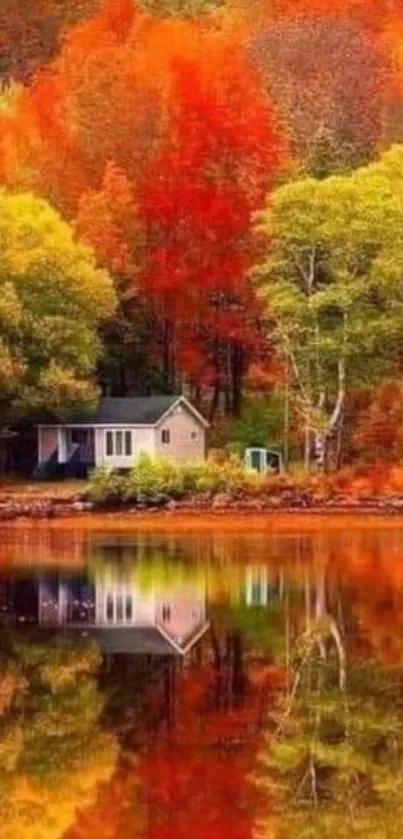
(150, 478)
(228, 475)
(191, 473)
(105, 486)
(156, 479)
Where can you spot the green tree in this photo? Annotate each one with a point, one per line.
(333, 286)
(52, 300)
(260, 424)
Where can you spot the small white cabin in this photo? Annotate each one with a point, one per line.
(120, 430)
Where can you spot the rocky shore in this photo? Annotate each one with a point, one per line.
(50, 506)
(42, 508)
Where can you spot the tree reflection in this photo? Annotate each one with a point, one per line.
(283, 720)
(189, 734)
(332, 764)
(53, 753)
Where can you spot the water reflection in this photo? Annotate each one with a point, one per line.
(206, 686)
(109, 606)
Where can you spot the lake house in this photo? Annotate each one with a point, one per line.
(118, 431)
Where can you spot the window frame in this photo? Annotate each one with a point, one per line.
(165, 436)
(121, 443)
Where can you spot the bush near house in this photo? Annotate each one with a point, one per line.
(225, 482)
(153, 480)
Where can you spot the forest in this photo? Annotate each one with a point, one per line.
(204, 196)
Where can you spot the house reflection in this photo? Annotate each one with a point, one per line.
(114, 610)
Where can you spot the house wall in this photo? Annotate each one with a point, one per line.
(143, 441)
(142, 605)
(187, 441)
(47, 443)
(180, 614)
(182, 446)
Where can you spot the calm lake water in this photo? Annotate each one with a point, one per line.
(215, 685)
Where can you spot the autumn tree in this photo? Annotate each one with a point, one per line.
(327, 76)
(374, 12)
(378, 432)
(332, 283)
(54, 753)
(30, 33)
(52, 300)
(112, 136)
(180, 8)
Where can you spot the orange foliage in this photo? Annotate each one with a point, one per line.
(192, 776)
(379, 430)
(158, 137)
(107, 218)
(371, 11)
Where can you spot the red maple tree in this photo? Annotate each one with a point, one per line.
(158, 138)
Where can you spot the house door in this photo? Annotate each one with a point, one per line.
(256, 460)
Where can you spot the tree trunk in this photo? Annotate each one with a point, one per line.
(286, 441)
(218, 669)
(166, 355)
(339, 443)
(215, 401)
(320, 444)
(238, 673)
(237, 364)
(307, 449)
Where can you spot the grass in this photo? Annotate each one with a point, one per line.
(14, 488)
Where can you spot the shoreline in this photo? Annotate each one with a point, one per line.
(31, 511)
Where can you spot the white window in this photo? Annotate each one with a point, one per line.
(118, 607)
(165, 436)
(109, 444)
(118, 443)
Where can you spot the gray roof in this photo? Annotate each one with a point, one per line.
(139, 410)
(130, 640)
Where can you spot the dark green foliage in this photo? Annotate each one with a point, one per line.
(261, 423)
